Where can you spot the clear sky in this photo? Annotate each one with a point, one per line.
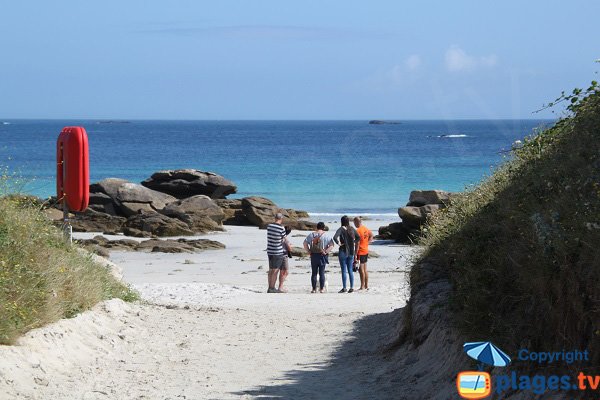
(326, 59)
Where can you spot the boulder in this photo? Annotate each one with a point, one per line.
(199, 212)
(229, 204)
(171, 247)
(411, 216)
(98, 250)
(301, 225)
(414, 217)
(203, 244)
(421, 205)
(136, 233)
(261, 211)
(102, 202)
(129, 209)
(93, 221)
(134, 198)
(398, 232)
(98, 239)
(420, 198)
(184, 183)
(153, 245)
(234, 215)
(158, 224)
(116, 196)
(108, 186)
(104, 243)
(296, 214)
(179, 246)
(135, 193)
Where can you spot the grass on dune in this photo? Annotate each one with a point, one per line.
(522, 249)
(42, 278)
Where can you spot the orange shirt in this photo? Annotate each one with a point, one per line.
(363, 246)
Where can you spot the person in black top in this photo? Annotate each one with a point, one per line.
(348, 239)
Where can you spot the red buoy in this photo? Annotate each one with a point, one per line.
(72, 168)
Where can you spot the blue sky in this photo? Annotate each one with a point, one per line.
(145, 59)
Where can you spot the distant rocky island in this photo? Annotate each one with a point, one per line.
(383, 122)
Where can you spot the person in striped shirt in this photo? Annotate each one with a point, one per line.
(277, 250)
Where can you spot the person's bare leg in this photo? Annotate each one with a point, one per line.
(272, 277)
(283, 273)
(366, 273)
(361, 272)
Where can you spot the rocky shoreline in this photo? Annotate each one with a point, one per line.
(174, 203)
(188, 202)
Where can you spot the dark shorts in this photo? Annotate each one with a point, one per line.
(277, 261)
(363, 258)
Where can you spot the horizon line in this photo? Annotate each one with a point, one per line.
(122, 120)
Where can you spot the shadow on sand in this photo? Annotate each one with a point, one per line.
(357, 369)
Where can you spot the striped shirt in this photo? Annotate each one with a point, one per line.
(275, 238)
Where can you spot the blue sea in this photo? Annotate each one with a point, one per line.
(324, 167)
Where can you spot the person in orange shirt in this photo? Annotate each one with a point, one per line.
(366, 237)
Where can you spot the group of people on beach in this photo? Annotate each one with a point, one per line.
(353, 243)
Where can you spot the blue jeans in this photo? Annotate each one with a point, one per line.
(346, 262)
(318, 263)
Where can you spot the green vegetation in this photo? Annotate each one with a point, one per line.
(42, 278)
(522, 249)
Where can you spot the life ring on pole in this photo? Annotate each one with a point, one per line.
(72, 168)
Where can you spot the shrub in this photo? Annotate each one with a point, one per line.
(42, 277)
(522, 248)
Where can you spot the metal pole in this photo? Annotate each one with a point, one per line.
(67, 228)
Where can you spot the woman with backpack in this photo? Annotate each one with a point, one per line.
(348, 239)
(318, 244)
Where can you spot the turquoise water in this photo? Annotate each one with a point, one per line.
(320, 166)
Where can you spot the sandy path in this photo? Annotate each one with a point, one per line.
(211, 332)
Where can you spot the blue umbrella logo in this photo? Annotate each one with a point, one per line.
(486, 353)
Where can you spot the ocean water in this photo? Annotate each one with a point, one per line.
(324, 167)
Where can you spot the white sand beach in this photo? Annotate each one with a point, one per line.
(208, 330)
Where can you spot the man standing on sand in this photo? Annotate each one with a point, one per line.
(277, 248)
(366, 237)
(318, 244)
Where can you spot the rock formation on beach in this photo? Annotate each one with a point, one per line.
(421, 205)
(183, 183)
(259, 211)
(116, 197)
(100, 245)
(175, 203)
